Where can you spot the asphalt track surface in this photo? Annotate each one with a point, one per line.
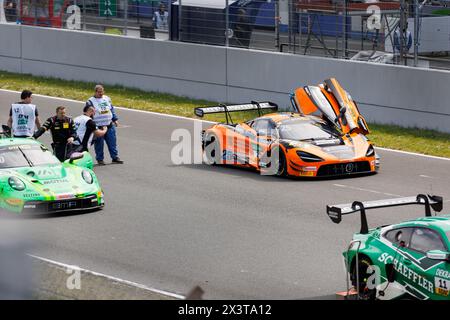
(235, 233)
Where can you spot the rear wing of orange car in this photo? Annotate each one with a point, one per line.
(335, 212)
(222, 108)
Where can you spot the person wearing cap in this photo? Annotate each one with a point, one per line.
(23, 116)
(63, 132)
(87, 129)
(104, 116)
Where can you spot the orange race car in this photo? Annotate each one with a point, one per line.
(324, 136)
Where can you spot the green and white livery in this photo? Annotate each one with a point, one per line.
(406, 260)
(32, 179)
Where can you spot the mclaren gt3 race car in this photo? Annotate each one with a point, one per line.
(406, 260)
(32, 179)
(324, 136)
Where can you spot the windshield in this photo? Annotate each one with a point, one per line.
(305, 130)
(25, 156)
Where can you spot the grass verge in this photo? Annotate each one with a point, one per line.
(408, 139)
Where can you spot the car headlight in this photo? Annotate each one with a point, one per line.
(16, 183)
(370, 151)
(87, 176)
(308, 157)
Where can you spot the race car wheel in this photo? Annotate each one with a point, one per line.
(365, 293)
(275, 166)
(280, 162)
(211, 150)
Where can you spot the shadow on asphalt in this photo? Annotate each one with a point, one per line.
(255, 175)
(15, 216)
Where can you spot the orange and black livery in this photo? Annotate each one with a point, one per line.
(324, 136)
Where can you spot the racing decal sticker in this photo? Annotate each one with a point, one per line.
(442, 282)
(65, 196)
(31, 195)
(229, 156)
(407, 272)
(256, 148)
(299, 144)
(23, 147)
(234, 158)
(55, 181)
(45, 172)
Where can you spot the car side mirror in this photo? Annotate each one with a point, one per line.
(438, 255)
(76, 156)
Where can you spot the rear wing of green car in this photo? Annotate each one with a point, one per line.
(222, 108)
(335, 212)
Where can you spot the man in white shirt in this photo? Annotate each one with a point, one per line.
(160, 18)
(24, 117)
(104, 116)
(87, 129)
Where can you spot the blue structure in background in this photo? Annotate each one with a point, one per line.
(266, 15)
(327, 25)
(205, 22)
(144, 9)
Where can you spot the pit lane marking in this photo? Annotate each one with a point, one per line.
(425, 176)
(366, 190)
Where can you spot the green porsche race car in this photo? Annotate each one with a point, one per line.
(407, 260)
(32, 179)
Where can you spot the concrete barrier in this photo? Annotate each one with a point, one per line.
(10, 47)
(411, 97)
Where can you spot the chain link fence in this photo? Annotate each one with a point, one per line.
(406, 32)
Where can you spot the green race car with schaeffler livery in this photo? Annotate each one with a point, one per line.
(32, 179)
(406, 260)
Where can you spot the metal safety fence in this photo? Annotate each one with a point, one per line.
(406, 32)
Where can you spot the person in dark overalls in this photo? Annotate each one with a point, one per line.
(63, 133)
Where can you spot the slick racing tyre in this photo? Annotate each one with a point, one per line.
(280, 163)
(365, 293)
(212, 153)
(274, 163)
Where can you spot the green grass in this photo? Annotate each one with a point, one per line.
(441, 12)
(407, 139)
(411, 139)
(115, 31)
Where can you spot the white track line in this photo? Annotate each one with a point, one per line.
(366, 190)
(134, 284)
(413, 153)
(205, 121)
(425, 176)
